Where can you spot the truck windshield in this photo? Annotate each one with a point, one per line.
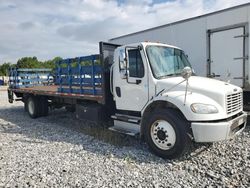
(166, 61)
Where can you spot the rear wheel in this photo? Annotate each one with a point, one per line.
(25, 106)
(44, 107)
(32, 107)
(166, 133)
(71, 108)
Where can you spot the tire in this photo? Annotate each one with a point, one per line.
(25, 98)
(44, 106)
(25, 106)
(71, 108)
(166, 133)
(32, 106)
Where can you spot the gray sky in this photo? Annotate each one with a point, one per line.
(70, 28)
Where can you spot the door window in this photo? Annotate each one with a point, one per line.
(136, 68)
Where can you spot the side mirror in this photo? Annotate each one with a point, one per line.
(186, 72)
(123, 74)
(122, 64)
(122, 60)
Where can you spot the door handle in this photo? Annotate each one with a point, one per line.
(239, 77)
(138, 81)
(239, 58)
(118, 91)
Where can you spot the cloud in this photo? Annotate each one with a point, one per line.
(91, 32)
(26, 25)
(69, 28)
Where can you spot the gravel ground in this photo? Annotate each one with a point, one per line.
(61, 151)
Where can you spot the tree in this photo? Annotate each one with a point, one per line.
(4, 69)
(29, 62)
(51, 64)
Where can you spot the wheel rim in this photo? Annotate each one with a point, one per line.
(31, 107)
(163, 134)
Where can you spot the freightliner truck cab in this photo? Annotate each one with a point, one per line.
(158, 95)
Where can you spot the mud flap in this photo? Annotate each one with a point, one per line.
(10, 96)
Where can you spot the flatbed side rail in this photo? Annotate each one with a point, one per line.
(80, 75)
(25, 78)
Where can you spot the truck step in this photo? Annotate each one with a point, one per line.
(128, 128)
(18, 99)
(115, 129)
(126, 118)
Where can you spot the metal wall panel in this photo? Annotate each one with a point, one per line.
(226, 18)
(191, 36)
(227, 54)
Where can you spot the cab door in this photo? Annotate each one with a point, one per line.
(131, 86)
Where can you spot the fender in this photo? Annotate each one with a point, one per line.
(175, 99)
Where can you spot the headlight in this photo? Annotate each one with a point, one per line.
(203, 108)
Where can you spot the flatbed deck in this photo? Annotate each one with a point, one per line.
(52, 90)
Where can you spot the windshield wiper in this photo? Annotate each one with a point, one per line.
(165, 76)
(168, 75)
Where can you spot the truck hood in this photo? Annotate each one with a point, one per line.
(212, 88)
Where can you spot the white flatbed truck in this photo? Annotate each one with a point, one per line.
(146, 88)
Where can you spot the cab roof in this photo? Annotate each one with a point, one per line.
(147, 43)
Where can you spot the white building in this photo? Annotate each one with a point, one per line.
(217, 43)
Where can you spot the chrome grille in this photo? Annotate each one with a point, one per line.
(234, 102)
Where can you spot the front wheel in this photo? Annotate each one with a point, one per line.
(166, 133)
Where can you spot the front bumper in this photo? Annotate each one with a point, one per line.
(217, 131)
